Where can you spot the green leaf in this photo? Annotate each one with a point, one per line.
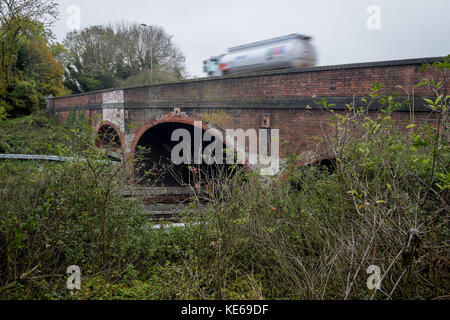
(428, 101)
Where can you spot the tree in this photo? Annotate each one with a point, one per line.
(16, 17)
(35, 72)
(89, 59)
(29, 70)
(101, 57)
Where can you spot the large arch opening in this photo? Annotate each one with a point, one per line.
(154, 164)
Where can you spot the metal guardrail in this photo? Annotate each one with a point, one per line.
(42, 158)
(155, 191)
(33, 157)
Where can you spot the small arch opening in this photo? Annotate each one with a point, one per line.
(326, 164)
(108, 138)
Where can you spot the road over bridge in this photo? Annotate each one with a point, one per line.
(282, 99)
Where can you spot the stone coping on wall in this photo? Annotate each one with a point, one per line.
(417, 61)
(267, 103)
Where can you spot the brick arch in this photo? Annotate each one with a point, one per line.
(318, 158)
(168, 118)
(112, 125)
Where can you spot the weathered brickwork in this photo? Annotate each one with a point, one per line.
(287, 99)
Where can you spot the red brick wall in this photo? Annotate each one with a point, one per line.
(321, 83)
(245, 99)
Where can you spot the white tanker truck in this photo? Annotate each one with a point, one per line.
(291, 51)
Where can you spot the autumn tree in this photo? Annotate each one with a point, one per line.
(16, 17)
(29, 69)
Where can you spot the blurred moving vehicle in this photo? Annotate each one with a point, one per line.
(291, 51)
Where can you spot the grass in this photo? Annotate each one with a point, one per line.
(33, 134)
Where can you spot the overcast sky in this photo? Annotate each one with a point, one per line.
(202, 28)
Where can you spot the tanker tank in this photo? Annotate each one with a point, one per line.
(291, 51)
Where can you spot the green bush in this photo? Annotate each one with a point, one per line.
(58, 214)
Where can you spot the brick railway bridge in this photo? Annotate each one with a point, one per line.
(281, 99)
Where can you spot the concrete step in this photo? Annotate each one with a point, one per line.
(165, 206)
(158, 193)
(166, 211)
(162, 203)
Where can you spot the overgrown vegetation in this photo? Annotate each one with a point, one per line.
(34, 134)
(53, 213)
(307, 234)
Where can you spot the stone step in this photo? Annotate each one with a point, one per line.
(162, 203)
(156, 192)
(160, 207)
(166, 211)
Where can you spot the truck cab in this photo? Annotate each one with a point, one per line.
(211, 66)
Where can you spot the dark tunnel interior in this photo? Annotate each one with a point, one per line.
(154, 166)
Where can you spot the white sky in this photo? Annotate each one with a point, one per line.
(202, 28)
